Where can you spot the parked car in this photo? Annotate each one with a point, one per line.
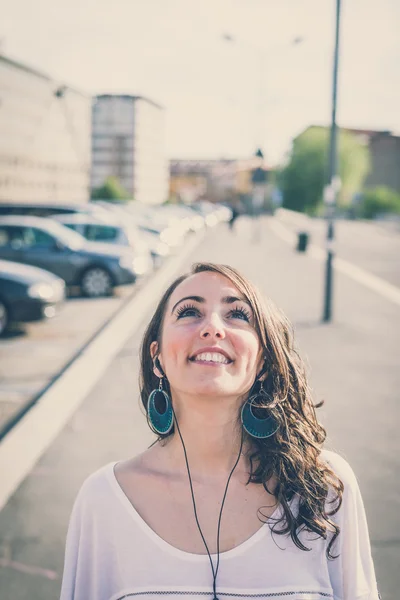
(96, 268)
(96, 230)
(191, 220)
(155, 219)
(148, 220)
(48, 210)
(27, 294)
(159, 249)
(210, 212)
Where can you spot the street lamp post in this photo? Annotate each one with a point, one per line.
(331, 190)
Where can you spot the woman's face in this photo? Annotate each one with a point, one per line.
(209, 344)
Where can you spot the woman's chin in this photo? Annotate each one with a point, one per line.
(213, 388)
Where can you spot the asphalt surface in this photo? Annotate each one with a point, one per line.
(32, 354)
(372, 246)
(353, 366)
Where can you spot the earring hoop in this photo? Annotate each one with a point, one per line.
(253, 425)
(161, 421)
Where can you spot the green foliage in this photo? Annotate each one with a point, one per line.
(354, 166)
(172, 199)
(305, 176)
(379, 201)
(110, 190)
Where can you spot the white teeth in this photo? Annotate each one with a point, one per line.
(212, 357)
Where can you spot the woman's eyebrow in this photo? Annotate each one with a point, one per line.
(232, 299)
(194, 298)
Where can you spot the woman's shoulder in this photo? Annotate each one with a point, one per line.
(97, 484)
(340, 467)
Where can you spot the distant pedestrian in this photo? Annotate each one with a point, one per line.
(236, 212)
(237, 498)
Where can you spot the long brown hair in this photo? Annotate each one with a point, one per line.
(292, 455)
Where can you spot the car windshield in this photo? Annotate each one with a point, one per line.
(65, 235)
(150, 229)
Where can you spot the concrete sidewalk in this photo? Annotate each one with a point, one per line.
(353, 366)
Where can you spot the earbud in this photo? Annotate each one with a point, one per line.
(158, 366)
(263, 371)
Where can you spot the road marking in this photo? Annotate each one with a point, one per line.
(372, 282)
(27, 441)
(28, 569)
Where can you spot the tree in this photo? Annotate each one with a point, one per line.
(110, 190)
(304, 178)
(378, 201)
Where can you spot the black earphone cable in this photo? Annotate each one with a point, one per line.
(214, 571)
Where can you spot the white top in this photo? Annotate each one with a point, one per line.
(112, 554)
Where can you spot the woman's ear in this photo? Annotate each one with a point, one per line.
(157, 368)
(262, 373)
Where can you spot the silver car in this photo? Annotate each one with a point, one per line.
(96, 230)
(41, 242)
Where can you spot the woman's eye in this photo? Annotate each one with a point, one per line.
(187, 311)
(240, 313)
(192, 311)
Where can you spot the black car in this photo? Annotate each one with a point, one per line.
(44, 243)
(27, 294)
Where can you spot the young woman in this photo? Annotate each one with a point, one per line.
(237, 497)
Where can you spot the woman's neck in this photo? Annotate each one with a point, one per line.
(212, 438)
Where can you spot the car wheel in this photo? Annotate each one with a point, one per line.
(96, 282)
(3, 318)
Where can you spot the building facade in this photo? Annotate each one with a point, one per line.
(128, 143)
(218, 180)
(44, 138)
(192, 180)
(384, 148)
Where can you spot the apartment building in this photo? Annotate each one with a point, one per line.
(384, 148)
(44, 137)
(128, 143)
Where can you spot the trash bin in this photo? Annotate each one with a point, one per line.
(302, 241)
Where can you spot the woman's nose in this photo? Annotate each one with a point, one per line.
(213, 327)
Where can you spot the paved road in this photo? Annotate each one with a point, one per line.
(31, 355)
(353, 366)
(371, 246)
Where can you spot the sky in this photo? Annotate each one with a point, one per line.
(222, 98)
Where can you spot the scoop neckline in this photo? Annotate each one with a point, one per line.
(237, 550)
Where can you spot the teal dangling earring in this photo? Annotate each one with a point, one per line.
(159, 411)
(254, 425)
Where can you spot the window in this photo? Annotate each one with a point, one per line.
(12, 236)
(37, 238)
(4, 237)
(101, 233)
(73, 226)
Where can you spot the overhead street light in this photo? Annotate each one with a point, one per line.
(262, 55)
(228, 37)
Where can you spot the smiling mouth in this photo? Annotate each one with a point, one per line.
(210, 358)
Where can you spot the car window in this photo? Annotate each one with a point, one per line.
(4, 237)
(73, 226)
(12, 236)
(101, 233)
(67, 236)
(37, 238)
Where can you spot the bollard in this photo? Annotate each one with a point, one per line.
(302, 241)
